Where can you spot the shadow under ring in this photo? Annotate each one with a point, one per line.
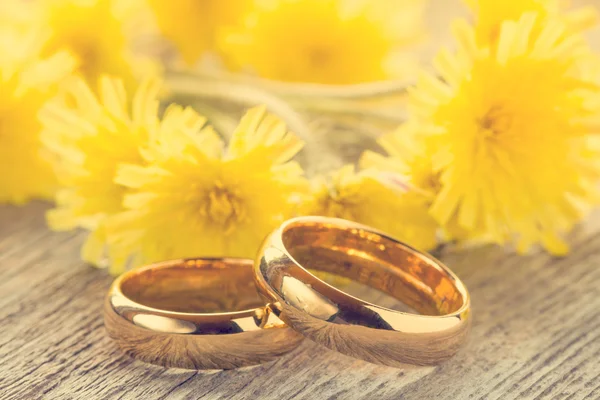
(350, 325)
(195, 314)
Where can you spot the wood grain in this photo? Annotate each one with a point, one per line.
(535, 335)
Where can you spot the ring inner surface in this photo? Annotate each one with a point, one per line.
(192, 286)
(375, 261)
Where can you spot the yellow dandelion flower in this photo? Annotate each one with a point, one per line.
(379, 197)
(195, 199)
(511, 132)
(490, 14)
(192, 25)
(324, 41)
(27, 81)
(91, 135)
(411, 156)
(94, 31)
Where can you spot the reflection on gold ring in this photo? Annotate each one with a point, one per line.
(196, 314)
(349, 324)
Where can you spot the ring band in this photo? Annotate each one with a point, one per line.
(195, 314)
(348, 324)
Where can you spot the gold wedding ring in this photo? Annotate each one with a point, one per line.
(196, 314)
(346, 323)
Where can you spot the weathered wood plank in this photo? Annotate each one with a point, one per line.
(536, 333)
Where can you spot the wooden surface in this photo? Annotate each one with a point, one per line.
(536, 333)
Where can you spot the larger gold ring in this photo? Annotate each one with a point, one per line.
(195, 314)
(346, 323)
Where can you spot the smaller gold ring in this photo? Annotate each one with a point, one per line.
(350, 325)
(195, 314)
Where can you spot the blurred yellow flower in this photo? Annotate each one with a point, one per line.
(325, 41)
(94, 32)
(91, 137)
(15, 14)
(27, 81)
(377, 196)
(490, 14)
(195, 199)
(511, 134)
(192, 25)
(410, 155)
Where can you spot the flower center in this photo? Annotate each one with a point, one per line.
(319, 56)
(433, 182)
(82, 46)
(223, 208)
(496, 121)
